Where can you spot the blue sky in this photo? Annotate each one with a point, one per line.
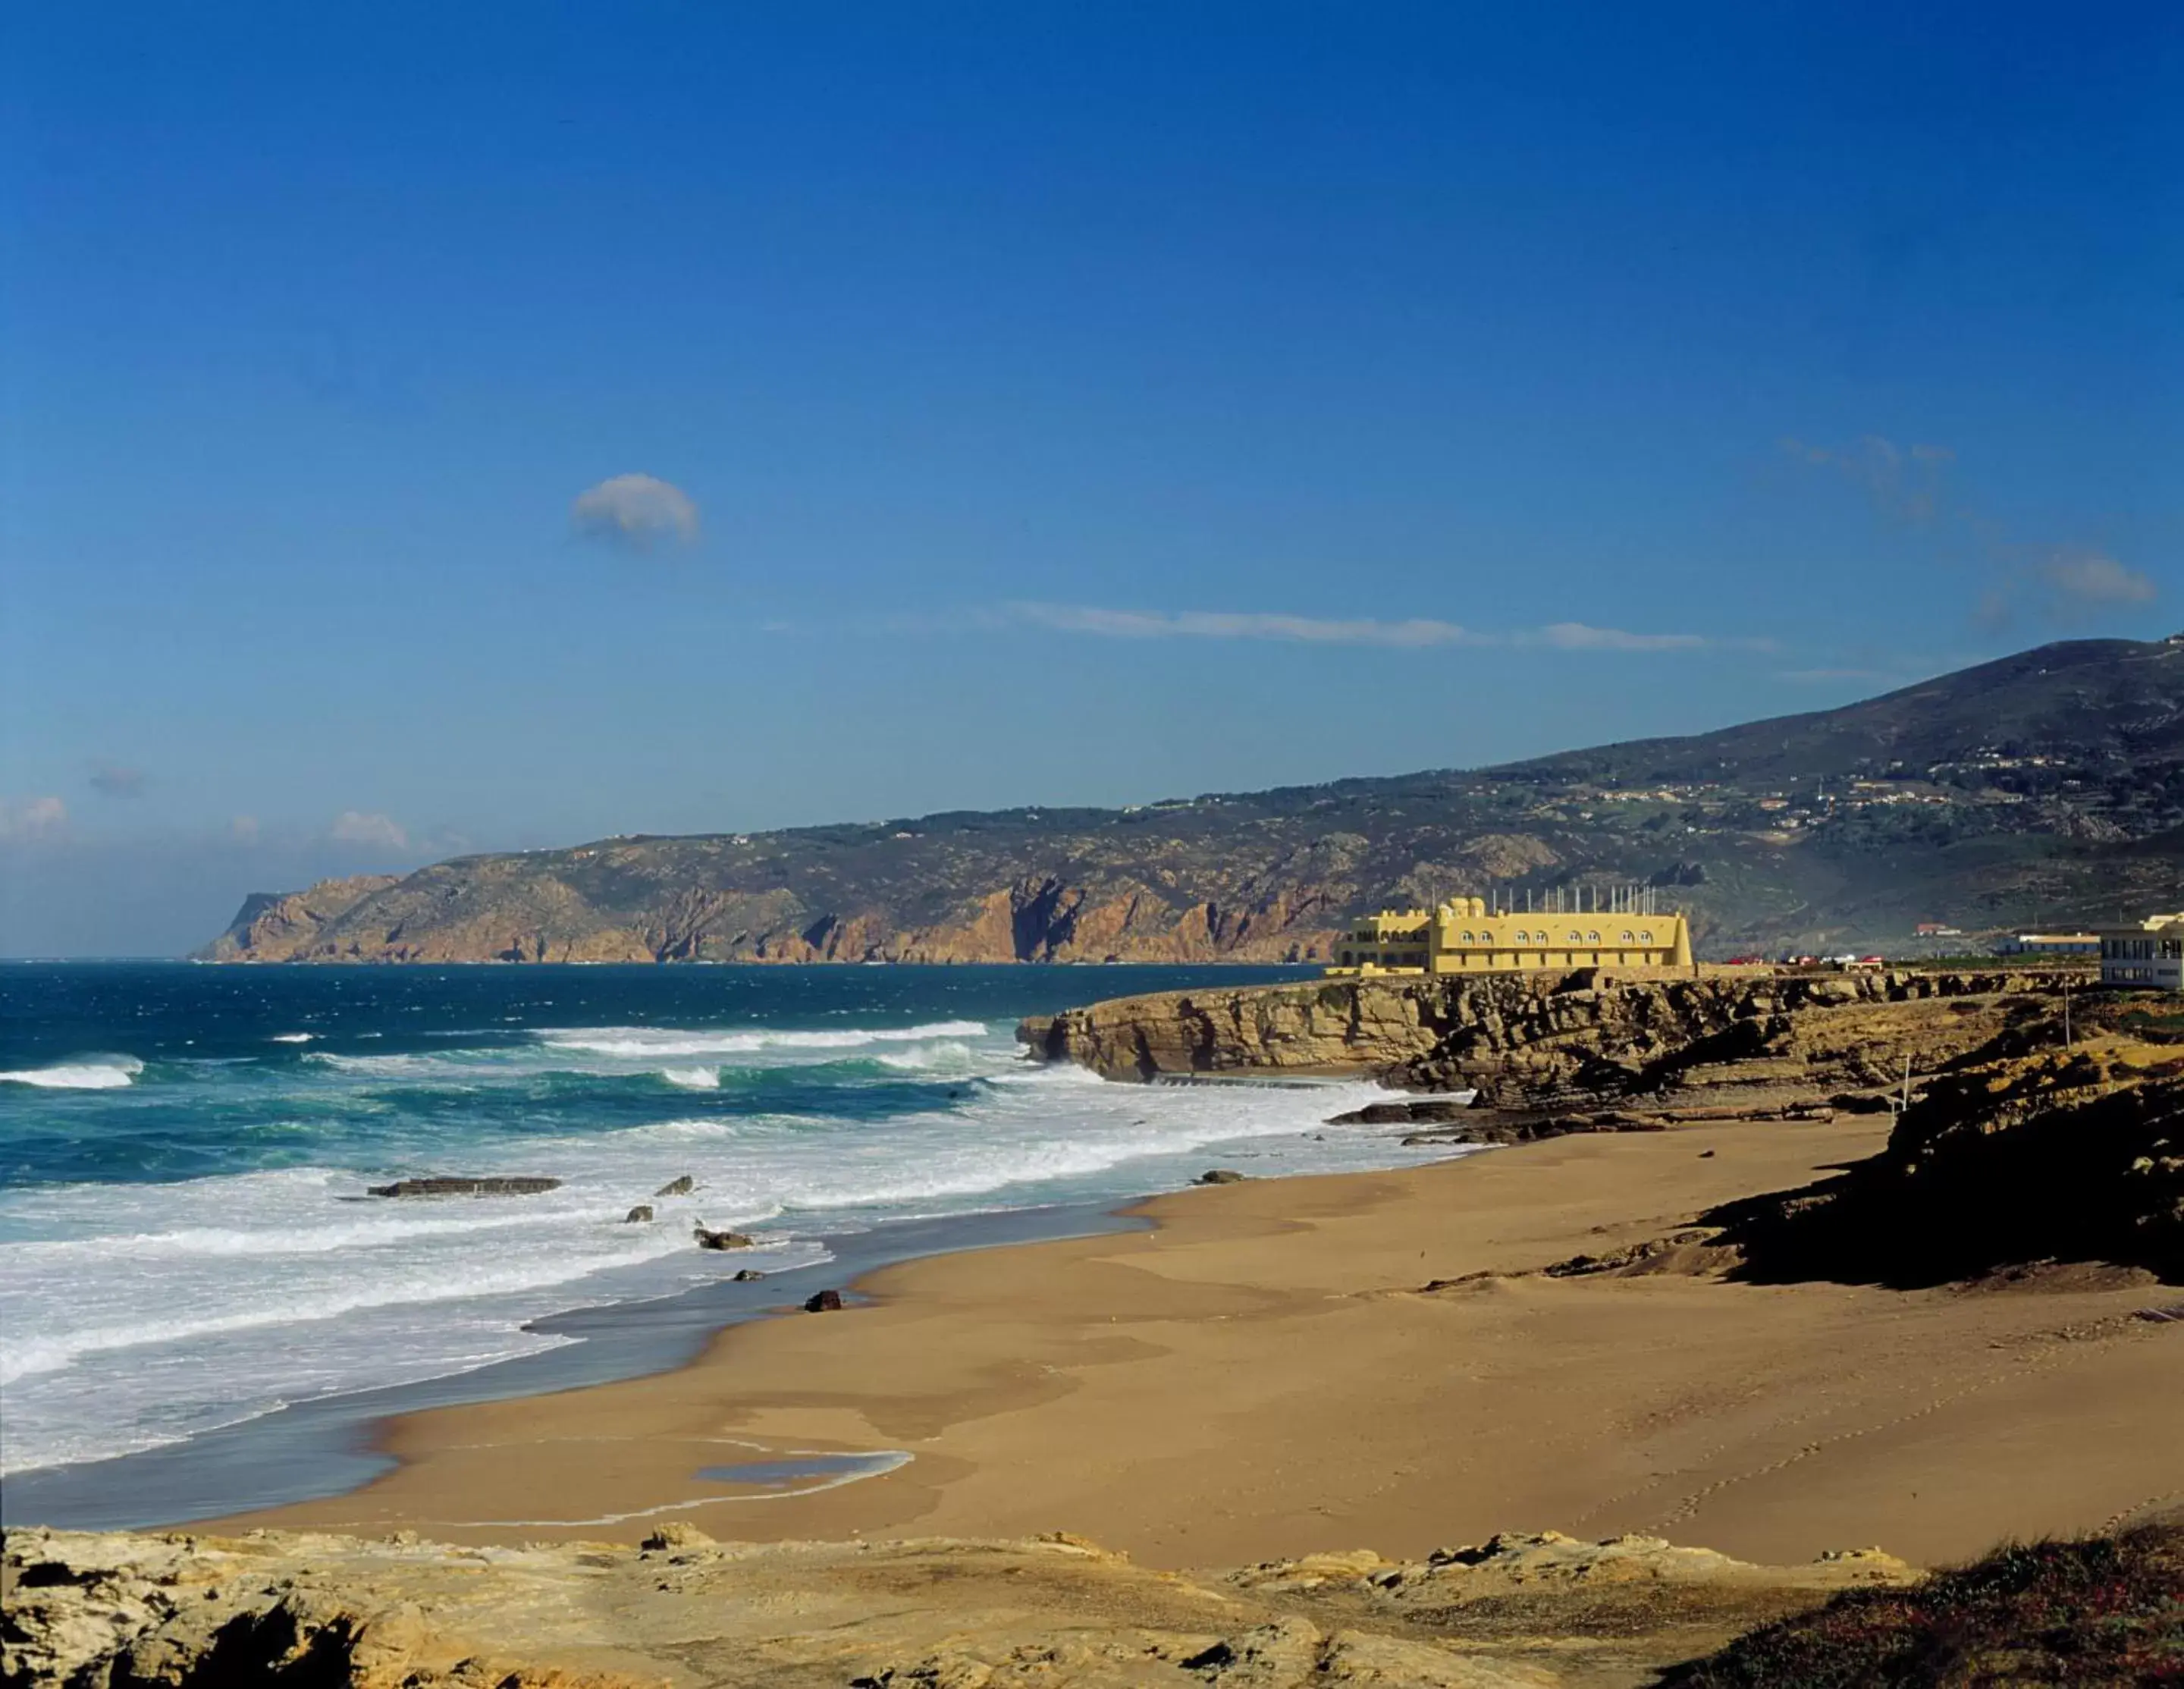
(1067, 403)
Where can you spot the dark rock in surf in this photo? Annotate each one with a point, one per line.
(713, 1240)
(676, 1187)
(638, 1215)
(748, 1275)
(1221, 1175)
(827, 1302)
(464, 1187)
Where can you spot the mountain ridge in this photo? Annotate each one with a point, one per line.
(2046, 785)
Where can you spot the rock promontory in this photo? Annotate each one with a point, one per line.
(1740, 1040)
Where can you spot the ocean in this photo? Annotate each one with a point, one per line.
(186, 1243)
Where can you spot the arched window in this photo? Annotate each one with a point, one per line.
(1627, 939)
(1577, 937)
(1590, 937)
(1468, 938)
(1644, 938)
(1349, 960)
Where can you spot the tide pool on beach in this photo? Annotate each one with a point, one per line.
(188, 1248)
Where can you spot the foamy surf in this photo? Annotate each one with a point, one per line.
(103, 1072)
(146, 1299)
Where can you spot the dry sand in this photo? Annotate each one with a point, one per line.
(1263, 1376)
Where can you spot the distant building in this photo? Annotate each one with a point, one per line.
(2149, 956)
(1460, 936)
(2051, 944)
(1938, 929)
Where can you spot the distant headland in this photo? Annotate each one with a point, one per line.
(2044, 788)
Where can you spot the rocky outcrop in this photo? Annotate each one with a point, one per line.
(464, 1187)
(128, 1612)
(1743, 1041)
(2013, 1165)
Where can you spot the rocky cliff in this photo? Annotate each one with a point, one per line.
(2017, 1163)
(128, 1612)
(2047, 787)
(1563, 1040)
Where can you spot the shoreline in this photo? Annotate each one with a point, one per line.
(330, 1446)
(1270, 1369)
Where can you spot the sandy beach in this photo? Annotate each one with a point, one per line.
(1264, 1374)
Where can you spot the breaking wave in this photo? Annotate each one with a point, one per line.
(94, 1073)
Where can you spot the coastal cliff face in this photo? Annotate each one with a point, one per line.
(129, 1612)
(279, 924)
(1556, 1040)
(726, 899)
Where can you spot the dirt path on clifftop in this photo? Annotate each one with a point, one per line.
(1266, 1376)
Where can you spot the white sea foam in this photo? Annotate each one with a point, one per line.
(644, 1041)
(141, 1314)
(97, 1072)
(292, 1038)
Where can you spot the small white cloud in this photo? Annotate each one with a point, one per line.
(113, 780)
(360, 826)
(32, 818)
(636, 512)
(2088, 577)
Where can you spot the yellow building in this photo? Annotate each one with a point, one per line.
(1459, 937)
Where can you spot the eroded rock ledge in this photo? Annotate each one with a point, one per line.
(1521, 1612)
(1740, 1040)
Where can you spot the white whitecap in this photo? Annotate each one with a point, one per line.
(692, 1079)
(104, 1072)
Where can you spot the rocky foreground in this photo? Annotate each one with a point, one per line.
(120, 1611)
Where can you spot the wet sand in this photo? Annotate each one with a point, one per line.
(1264, 1376)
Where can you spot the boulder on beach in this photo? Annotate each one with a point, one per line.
(638, 1215)
(677, 1187)
(745, 1275)
(463, 1187)
(722, 1240)
(1221, 1175)
(826, 1301)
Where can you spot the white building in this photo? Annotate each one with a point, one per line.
(2149, 956)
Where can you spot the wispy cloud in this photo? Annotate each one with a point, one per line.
(1197, 624)
(635, 512)
(1903, 482)
(1907, 486)
(2088, 577)
(1413, 633)
(363, 827)
(32, 818)
(1578, 636)
(113, 780)
(1823, 677)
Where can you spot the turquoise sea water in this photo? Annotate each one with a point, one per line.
(184, 1236)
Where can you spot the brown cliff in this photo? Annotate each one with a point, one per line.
(1563, 1040)
(273, 925)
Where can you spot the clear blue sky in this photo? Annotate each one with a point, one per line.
(1073, 402)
